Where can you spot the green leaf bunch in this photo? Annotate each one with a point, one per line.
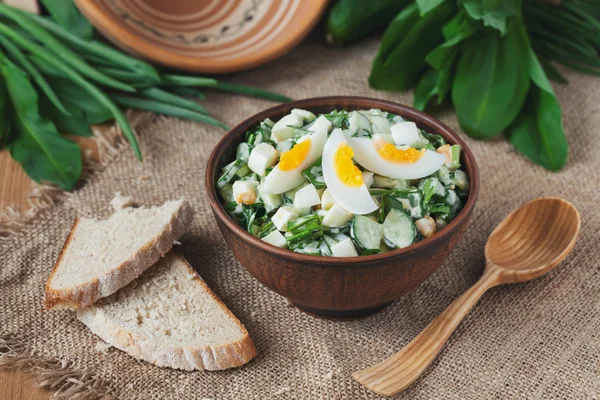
(492, 59)
(56, 78)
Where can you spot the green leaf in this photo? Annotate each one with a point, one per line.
(20, 59)
(397, 29)
(455, 32)
(445, 79)
(37, 146)
(426, 89)
(460, 25)
(76, 124)
(551, 71)
(435, 82)
(493, 13)
(401, 58)
(188, 92)
(251, 91)
(491, 82)
(45, 155)
(98, 53)
(427, 5)
(166, 109)
(538, 132)
(5, 112)
(158, 94)
(80, 102)
(65, 13)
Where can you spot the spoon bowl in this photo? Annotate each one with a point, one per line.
(533, 239)
(530, 242)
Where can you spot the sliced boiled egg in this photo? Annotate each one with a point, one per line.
(386, 159)
(287, 174)
(343, 179)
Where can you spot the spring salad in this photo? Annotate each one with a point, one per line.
(344, 183)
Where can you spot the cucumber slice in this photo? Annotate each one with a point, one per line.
(359, 124)
(260, 137)
(381, 125)
(380, 181)
(325, 248)
(394, 119)
(366, 232)
(271, 201)
(443, 175)
(399, 231)
(230, 171)
(243, 151)
(460, 179)
(226, 193)
(330, 241)
(243, 171)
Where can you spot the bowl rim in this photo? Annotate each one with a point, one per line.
(139, 45)
(352, 101)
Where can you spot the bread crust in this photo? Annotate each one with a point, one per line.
(107, 284)
(154, 351)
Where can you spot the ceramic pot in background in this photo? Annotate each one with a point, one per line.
(208, 36)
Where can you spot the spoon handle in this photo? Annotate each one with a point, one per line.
(399, 371)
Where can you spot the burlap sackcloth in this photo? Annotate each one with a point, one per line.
(537, 340)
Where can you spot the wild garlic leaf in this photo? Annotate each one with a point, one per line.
(76, 124)
(435, 82)
(37, 146)
(65, 13)
(427, 5)
(455, 32)
(538, 132)
(491, 82)
(551, 71)
(493, 13)
(75, 98)
(426, 89)
(460, 25)
(444, 83)
(400, 61)
(396, 31)
(19, 58)
(5, 111)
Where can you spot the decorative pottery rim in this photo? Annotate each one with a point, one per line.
(136, 43)
(232, 138)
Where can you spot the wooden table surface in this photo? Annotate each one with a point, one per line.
(15, 187)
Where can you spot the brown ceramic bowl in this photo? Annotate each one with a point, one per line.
(339, 287)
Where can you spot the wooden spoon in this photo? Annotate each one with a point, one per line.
(530, 242)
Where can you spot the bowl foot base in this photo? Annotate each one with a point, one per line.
(341, 315)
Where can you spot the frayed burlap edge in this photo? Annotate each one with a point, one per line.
(109, 140)
(59, 376)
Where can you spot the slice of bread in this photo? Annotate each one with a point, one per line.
(169, 317)
(100, 257)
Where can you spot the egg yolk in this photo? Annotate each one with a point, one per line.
(389, 152)
(346, 171)
(293, 158)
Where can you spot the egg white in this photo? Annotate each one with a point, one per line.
(279, 181)
(354, 199)
(367, 156)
